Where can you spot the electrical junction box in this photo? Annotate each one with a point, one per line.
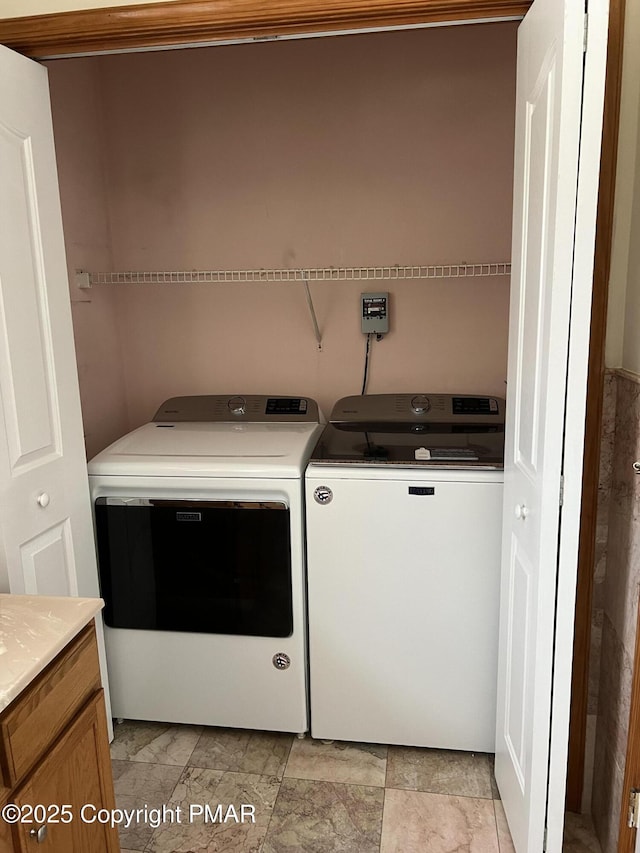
(375, 313)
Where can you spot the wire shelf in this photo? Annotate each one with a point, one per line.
(390, 273)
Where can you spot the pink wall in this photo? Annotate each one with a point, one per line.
(79, 137)
(358, 150)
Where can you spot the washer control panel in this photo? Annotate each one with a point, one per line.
(419, 408)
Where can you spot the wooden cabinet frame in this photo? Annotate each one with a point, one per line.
(193, 21)
(54, 751)
(156, 25)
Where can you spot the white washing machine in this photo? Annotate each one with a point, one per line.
(200, 532)
(404, 504)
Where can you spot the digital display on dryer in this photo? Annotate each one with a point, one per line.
(286, 406)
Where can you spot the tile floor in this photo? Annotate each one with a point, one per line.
(309, 797)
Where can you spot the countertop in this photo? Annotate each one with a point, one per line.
(33, 630)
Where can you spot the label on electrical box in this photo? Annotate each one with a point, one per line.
(375, 313)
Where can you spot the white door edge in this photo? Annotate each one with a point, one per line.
(578, 357)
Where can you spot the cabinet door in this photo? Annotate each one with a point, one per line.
(76, 772)
(6, 838)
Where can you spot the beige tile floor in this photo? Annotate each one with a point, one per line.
(308, 796)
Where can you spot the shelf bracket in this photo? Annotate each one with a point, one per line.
(314, 320)
(83, 280)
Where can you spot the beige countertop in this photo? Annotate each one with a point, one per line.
(33, 630)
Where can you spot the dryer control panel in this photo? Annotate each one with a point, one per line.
(252, 408)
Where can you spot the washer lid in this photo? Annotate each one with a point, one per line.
(210, 450)
(415, 429)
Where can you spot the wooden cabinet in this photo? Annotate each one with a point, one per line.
(54, 753)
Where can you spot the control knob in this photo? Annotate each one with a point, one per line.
(237, 405)
(420, 404)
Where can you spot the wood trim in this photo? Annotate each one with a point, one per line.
(627, 835)
(193, 21)
(595, 386)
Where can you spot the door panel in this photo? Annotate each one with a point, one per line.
(520, 602)
(46, 536)
(540, 299)
(33, 430)
(42, 559)
(531, 325)
(545, 290)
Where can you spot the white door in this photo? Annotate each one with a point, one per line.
(555, 196)
(46, 534)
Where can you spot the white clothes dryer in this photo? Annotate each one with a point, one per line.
(200, 534)
(404, 506)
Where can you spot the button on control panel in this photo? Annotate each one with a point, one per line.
(420, 404)
(237, 405)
